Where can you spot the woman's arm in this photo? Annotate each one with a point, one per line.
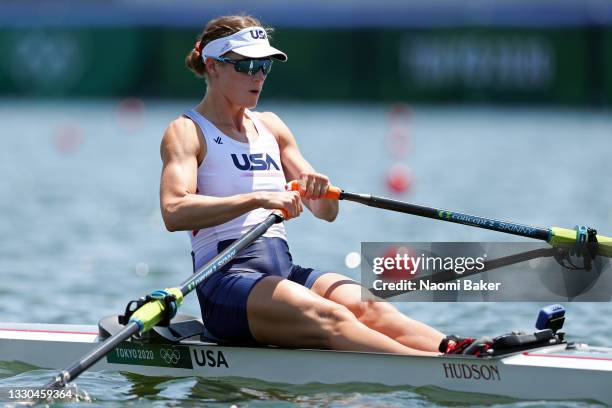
(297, 168)
(183, 209)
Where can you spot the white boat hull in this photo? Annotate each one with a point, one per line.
(550, 373)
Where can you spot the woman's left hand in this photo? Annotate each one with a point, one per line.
(313, 185)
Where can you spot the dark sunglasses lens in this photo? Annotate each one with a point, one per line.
(266, 66)
(252, 66)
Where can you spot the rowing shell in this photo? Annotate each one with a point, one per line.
(558, 372)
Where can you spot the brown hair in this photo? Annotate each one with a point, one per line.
(217, 28)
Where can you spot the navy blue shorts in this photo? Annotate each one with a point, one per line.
(223, 297)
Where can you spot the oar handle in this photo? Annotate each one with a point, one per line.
(283, 213)
(333, 192)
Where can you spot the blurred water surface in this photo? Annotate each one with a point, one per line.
(81, 233)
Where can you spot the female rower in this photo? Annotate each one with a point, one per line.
(224, 170)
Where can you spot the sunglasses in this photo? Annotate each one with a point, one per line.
(248, 66)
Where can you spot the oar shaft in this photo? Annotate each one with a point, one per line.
(92, 357)
(228, 254)
(449, 216)
(152, 312)
(336, 193)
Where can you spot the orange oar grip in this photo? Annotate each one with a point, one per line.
(333, 192)
(282, 212)
(293, 185)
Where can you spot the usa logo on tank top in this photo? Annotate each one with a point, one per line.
(254, 162)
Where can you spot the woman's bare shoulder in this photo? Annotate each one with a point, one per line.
(181, 136)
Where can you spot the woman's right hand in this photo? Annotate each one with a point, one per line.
(288, 200)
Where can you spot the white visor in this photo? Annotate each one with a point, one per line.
(251, 42)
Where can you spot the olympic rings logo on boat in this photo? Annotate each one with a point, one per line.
(170, 356)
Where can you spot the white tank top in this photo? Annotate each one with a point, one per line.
(232, 167)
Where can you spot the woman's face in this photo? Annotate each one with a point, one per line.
(238, 87)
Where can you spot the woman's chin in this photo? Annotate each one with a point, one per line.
(252, 102)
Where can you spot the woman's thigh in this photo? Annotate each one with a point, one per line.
(285, 313)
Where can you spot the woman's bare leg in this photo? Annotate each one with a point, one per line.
(376, 313)
(284, 313)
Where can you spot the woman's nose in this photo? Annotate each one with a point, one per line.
(259, 75)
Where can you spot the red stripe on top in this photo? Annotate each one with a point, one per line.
(528, 354)
(46, 331)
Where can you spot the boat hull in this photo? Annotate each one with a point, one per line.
(552, 373)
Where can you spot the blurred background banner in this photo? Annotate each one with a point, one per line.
(545, 52)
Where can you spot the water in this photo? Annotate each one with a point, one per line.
(81, 232)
